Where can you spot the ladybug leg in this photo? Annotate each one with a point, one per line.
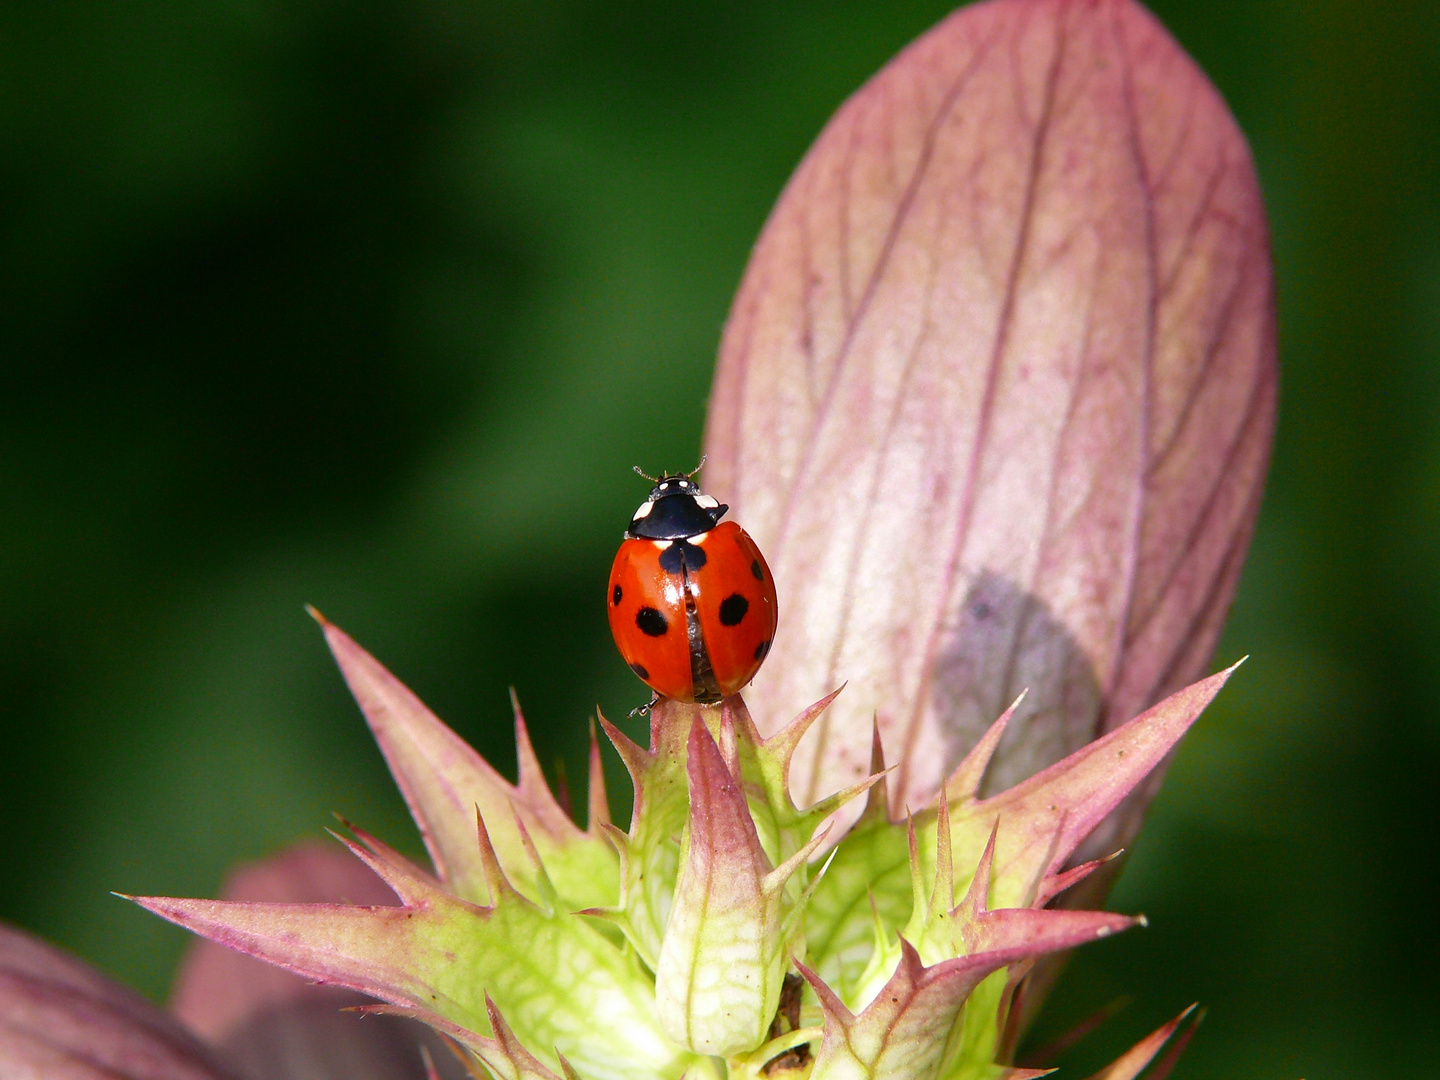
(644, 710)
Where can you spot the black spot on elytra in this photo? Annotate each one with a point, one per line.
(762, 650)
(756, 570)
(616, 595)
(733, 609)
(651, 622)
(682, 553)
(639, 669)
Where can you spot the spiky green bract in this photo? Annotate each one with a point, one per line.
(650, 852)
(911, 1027)
(1129, 1064)
(680, 964)
(444, 780)
(1038, 823)
(650, 859)
(942, 934)
(731, 930)
(560, 982)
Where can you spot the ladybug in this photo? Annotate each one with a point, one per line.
(692, 604)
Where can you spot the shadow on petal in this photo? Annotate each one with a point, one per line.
(1005, 642)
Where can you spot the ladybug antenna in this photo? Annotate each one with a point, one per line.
(645, 475)
(697, 468)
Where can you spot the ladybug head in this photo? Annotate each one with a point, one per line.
(677, 484)
(675, 509)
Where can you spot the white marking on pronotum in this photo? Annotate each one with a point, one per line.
(706, 501)
(644, 511)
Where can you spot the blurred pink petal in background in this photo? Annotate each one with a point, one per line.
(62, 1020)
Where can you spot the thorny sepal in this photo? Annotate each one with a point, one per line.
(506, 1058)
(1038, 824)
(443, 780)
(1043, 820)
(503, 1055)
(650, 852)
(971, 927)
(764, 765)
(940, 930)
(908, 1029)
(869, 871)
(730, 933)
(1129, 1064)
(562, 983)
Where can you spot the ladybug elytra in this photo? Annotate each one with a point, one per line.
(691, 602)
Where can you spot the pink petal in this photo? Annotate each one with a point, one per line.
(997, 391)
(62, 1020)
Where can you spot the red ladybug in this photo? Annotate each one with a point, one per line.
(692, 604)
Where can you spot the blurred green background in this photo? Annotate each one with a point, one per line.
(372, 304)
